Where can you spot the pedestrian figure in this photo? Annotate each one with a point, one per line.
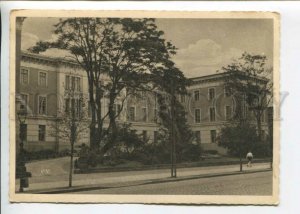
(249, 158)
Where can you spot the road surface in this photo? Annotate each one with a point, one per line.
(245, 184)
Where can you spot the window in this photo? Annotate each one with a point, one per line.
(24, 77)
(42, 105)
(42, 132)
(117, 109)
(211, 93)
(24, 101)
(198, 136)
(77, 83)
(67, 82)
(43, 79)
(155, 115)
(197, 116)
(213, 136)
(67, 105)
(196, 95)
(131, 115)
(212, 114)
(182, 98)
(155, 136)
(144, 135)
(23, 132)
(226, 91)
(72, 83)
(144, 114)
(228, 112)
(263, 134)
(263, 118)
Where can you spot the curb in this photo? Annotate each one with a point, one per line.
(162, 166)
(142, 182)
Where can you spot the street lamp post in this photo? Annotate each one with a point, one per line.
(21, 171)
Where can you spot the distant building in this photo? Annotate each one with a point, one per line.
(41, 82)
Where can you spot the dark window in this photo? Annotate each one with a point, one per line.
(212, 114)
(228, 112)
(42, 105)
(155, 136)
(197, 116)
(131, 115)
(226, 91)
(67, 82)
(144, 114)
(24, 101)
(144, 135)
(67, 105)
(24, 76)
(182, 98)
(42, 132)
(43, 79)
(155, 115)
(211, 93)
(196, 95)
(198, 136)
(213, 136)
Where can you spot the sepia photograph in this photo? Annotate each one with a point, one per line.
(144, 107)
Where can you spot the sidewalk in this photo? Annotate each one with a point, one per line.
(83, 182)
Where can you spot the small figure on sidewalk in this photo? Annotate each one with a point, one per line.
(249, 157)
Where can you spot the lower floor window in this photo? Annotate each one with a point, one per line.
(213, 136)
(42, 132)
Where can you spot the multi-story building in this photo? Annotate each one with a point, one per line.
(42, 81)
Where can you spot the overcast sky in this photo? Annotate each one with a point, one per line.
(204, 45)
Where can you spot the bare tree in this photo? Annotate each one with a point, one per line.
(72, 121)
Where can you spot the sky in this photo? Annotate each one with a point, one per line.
(204, 45)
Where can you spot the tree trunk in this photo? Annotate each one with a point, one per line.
(112, 128)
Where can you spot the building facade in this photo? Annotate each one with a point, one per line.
(42, 81)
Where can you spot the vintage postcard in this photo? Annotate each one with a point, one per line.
(144, 107)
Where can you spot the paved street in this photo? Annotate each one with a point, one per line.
(51, 174)
(245, 184)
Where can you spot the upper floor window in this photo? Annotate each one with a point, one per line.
(211, 93)
(42, 132)
(24, 101)
(212, 114)
(24, 77)
(182, 98)
(131, 115)
(72, 83)
(117, 109)
(196, 95)
(42, 79)
(226, 91)
(144, 114)
(228, 112)
(42, 105)
(197, 116)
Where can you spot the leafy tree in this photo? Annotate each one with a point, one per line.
(250, 81)
(172, 114)
(72, 122)
(120, 50)
(238, 138)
